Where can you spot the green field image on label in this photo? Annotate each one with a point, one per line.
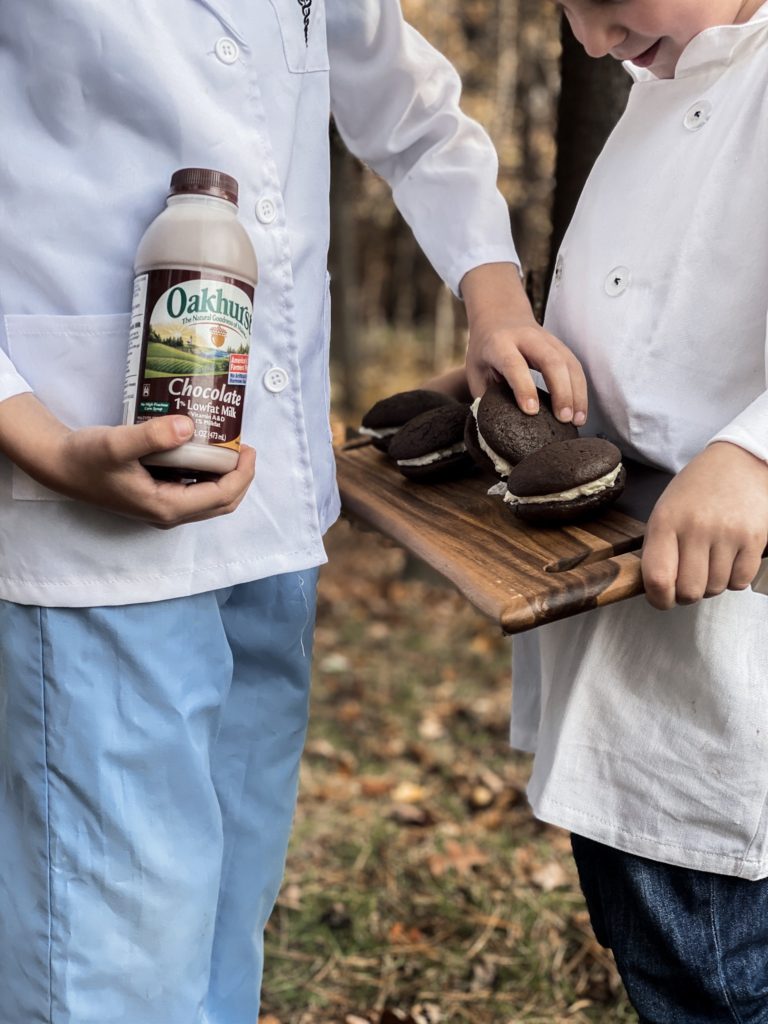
(180, 358)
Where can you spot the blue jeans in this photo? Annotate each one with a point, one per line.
(149, 759)
(691, 947)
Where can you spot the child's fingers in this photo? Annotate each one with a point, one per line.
(659, 567)
(129, 443)
(579, 391)
(722, 559)
(745, 567)
(512, 352)
(208, 500)
(729, 568)
(478, 379)
(515, 370)
(692, 571)
(564, 377)
(557, 377)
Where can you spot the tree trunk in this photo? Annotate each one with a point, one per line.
(592, 98)
(506, 68)
(345, 353)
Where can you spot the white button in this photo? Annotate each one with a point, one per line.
(266, 210)
(617, 281)
(698, 115)
(226, 50)
(276, 380)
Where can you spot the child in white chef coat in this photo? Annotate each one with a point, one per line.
(154, 682)
(650, 718)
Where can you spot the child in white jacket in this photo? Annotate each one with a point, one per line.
(154, 682)
(650, 718)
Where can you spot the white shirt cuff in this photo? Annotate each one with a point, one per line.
(749, 430)
(11, 382)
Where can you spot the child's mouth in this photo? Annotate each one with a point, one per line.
(647, 57)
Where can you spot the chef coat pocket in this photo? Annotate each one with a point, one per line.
(76, 367)
(302, 26)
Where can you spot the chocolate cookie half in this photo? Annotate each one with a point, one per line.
(505, 434)
(431, 446)
(566, 481)
(388, 415)
(480, 458)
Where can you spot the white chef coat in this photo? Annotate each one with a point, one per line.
(98, 106)
(651, 728)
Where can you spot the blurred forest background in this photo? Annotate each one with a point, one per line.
(419, 889)
(394, 322)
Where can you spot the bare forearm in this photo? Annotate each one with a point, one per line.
(30, 435)
(494, 290)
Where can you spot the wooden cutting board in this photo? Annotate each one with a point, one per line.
(519, 575)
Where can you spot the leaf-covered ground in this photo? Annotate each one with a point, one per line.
(419, 889)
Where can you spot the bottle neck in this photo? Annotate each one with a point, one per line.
(214, 202)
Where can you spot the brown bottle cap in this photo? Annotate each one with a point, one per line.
(202, 181)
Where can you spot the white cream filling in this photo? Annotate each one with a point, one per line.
(427, 460)
(502, 467)
(381, 432)
(602, 483)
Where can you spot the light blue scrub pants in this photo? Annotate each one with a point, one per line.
(149, 761)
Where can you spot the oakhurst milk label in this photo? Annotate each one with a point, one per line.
(191, 324)
(188, 351)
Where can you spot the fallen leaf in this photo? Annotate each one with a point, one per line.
(401, 935)
(480, 797)
(580, 1004)
(427, 1013)
(350, 711)
(549, 877)
(392, 747)
(492, 781)
(481, 643)
(431, 728)
(409, 793)
(290, 896)
(408, 814)
(339, 787)
(450, 828)
(483, 975)
(326, 750)
(376, 785)
(334, 663)
(462, 859)
(491, 820)
(378, 631)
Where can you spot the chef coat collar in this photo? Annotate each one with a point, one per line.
(716, 46)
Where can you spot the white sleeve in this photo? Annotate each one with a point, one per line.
(749, 430)
(11, 382)
(395, 100)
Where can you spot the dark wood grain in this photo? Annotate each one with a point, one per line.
(519, 575)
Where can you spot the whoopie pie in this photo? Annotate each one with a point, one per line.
(388, 415)
(431, 446)
(566, 481)
(501, 434)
